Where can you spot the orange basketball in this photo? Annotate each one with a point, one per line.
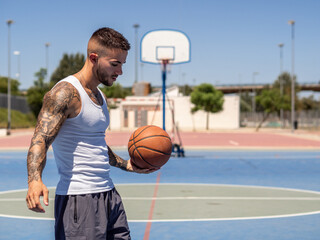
(149, 147)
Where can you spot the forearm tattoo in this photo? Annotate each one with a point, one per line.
(117, 161)
(51, 117)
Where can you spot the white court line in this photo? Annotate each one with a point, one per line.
(198, 219)
(185, 220)
(198, 198)
(19, 199)
(25, 217)
(225, 198)
(234, 143)
(229, 219)
(192, 184)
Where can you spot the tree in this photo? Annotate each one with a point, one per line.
(69, 64)
(285, 78)
(186, 90)
(245, 102)
(309, 103)
(115, 91)
(286, 83)
(272, 101)
(36, 93)
(13, 83)
(205, 97)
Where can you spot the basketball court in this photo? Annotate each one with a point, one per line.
(244, 192)
(184, 202)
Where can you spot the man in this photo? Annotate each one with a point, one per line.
(73, 118)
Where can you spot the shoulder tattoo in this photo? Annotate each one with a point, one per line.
(51, 117)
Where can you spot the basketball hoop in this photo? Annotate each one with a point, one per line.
(165, 47)
(164, 65)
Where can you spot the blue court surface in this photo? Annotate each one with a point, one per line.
(223, 194)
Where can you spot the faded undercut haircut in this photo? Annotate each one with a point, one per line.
(108, 38)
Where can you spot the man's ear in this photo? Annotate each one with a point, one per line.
(93, 58)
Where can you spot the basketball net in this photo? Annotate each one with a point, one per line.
(165, 65)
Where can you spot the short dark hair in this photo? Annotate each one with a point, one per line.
(110, 38)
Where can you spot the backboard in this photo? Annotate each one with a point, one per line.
(170, 45)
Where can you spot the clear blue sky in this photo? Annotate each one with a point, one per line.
(230, 39)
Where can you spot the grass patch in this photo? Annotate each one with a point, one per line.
(18, 119)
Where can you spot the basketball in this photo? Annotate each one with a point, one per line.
(149, 147)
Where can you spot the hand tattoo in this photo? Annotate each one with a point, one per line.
(117, 161)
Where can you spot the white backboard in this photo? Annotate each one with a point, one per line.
(159, 45)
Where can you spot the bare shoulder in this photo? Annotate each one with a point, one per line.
(56, 108)
(59, 104)
(63, 92)
(64, 99)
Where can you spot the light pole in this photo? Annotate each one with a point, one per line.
(136, 26)
(141, 72)
(292, 22)
(281, 81)
(253, 99)
(9, 22)
(47, 59)
(184, 86)
(17, 53)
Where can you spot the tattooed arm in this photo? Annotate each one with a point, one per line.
(125, 165)
(118, 162)
(58, 104)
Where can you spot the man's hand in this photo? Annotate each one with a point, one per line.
(125, 165)
(134, 168)
(37, 189)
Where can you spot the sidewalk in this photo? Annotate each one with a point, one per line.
(242, 138)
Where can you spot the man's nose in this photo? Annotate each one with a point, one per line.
(119, 71)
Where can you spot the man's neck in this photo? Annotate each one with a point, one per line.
(86, 82)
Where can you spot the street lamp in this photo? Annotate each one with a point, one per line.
(253, 98)
(292, 22)
(47, 59)
(17, 53)
(281, 56)
(9, 22)
(136, 26)
(281, 80)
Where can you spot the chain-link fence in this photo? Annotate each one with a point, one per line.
(304, 119)
(18, 103)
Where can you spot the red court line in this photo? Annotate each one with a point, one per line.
(153, 203)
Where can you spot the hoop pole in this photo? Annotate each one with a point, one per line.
(164, 77)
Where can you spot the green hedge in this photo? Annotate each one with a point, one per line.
(18, 119)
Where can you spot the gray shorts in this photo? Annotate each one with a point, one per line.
(91, 216)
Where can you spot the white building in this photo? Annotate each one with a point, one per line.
(137, 111)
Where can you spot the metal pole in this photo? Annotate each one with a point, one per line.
(253, 99)
(9, 22)
(136, 26)
(47, 60)
(17, 53)
(281, 82)
(291, 22)
(141, 72)
(164, 76)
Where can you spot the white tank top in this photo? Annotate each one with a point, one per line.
(80, 149)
